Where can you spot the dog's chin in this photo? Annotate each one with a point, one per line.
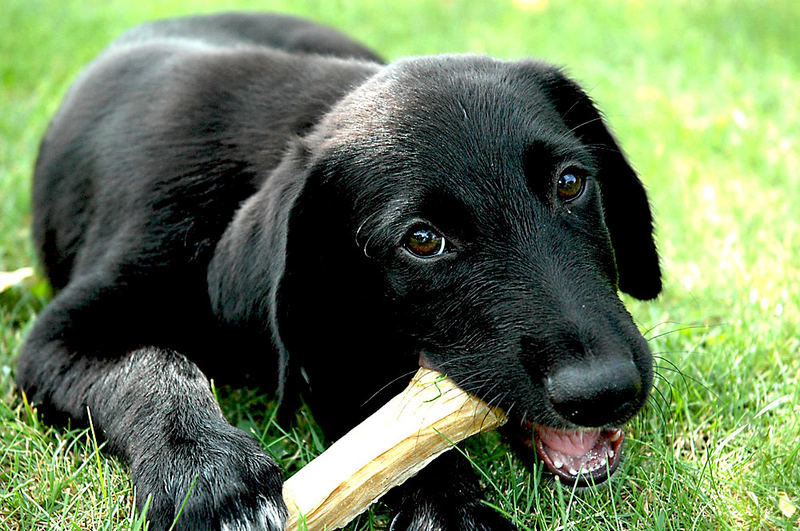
(577, 457)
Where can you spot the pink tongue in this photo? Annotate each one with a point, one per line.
(571, 443)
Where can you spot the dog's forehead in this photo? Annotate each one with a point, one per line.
(443, 114)
(442, 95)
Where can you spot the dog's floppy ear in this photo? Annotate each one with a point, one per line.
(326, 278)
(289, 271)
(329, 308)
(625, 204)
(249, 262)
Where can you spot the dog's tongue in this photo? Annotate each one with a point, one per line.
(569, 443)
(579, 457)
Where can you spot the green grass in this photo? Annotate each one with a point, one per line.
(705, 97)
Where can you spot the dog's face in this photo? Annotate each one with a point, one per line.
(476, 217)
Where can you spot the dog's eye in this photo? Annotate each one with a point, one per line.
(570, 186)
(424, 242)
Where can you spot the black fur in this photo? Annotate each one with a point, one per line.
(227, 193)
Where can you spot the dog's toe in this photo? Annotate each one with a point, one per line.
(269, 515)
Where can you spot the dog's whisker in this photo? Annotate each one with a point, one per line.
(675, 331)
(657, 371)
(365, 245)
(657, 403)
(571, 107)
(661, 323)
(659, 354)
(491, 403)
(587, 122)
(662, 378)
(687, 327)
(510, 409)
(684, 377)
(671, 364)
(403, 376)
(601, 148)
(671, 369)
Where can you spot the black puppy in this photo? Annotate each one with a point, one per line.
(251, 194)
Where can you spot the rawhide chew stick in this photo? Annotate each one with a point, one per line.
(430, 416)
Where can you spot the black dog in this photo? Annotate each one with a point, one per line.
(222, 194)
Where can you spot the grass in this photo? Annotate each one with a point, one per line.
(705, 97)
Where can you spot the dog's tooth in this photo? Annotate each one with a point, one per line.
(573, 472)
(610, 453)
(557, 463)
(615, 435)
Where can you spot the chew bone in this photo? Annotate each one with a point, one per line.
(429, 417)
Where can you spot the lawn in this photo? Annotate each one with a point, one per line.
(705, 98)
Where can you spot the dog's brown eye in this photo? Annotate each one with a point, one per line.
(424, 242)
(569, 186)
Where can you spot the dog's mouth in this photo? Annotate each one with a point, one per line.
(579, 458)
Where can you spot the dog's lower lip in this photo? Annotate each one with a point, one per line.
(578, 457)
(424, 362)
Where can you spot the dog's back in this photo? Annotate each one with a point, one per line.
(281, 32)
(189, 73)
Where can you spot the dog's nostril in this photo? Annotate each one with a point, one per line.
(595, 393)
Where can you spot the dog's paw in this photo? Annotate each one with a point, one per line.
(220, 481)
(473, 516)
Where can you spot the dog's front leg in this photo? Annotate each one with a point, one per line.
(445, 496)
(184, 452)
(155, 408)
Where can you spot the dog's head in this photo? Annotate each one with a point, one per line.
(477, 217)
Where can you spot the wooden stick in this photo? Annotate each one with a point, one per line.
(428, 418)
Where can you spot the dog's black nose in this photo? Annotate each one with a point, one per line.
(595, 393)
